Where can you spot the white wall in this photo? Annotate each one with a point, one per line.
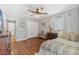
(48, 22)
(21, 32)
(17, 11)
(32, 29)
(71, 20)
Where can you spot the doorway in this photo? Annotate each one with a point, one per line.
(11, 25)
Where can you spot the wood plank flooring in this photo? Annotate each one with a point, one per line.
(2, 47)
(26, 47)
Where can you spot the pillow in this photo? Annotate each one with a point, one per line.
(75, 37)
(69, 36)
(64, 35)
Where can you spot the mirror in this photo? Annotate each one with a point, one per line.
(1, 22)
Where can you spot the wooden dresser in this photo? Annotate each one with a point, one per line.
(51, 35)
(48, 36)
(5, 47)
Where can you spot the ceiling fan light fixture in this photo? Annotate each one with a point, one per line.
(38, 12)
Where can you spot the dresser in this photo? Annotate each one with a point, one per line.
(48, 36)
(5, 47)
(51, 35)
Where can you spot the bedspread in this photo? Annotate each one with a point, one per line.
(59, 46)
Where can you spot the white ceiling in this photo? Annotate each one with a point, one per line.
(19, 10)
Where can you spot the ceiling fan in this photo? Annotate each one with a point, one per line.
(37, 11)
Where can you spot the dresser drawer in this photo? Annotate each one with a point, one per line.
(51, 35)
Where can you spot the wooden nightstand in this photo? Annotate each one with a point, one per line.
(48, 36)
(51, 36)
(42, 36)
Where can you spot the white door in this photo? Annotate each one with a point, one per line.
(11, 28)
(32, 29)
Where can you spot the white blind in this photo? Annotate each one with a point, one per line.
(58, 23)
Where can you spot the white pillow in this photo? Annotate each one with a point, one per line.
(75, 37)
(64, 35)
(69, 36)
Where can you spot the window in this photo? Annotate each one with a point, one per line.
(59, 22)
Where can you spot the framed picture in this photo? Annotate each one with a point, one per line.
(22, 23)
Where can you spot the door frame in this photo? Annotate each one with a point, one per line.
(14, 22)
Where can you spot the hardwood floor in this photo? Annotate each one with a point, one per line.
(2, 47)
(26, 47)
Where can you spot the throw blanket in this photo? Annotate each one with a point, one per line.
(59, 46)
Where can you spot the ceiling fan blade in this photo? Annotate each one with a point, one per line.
(31, 11)
(41, 8)
(44, 13)
(32, 14)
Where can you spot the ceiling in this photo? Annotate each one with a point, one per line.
(20, 10)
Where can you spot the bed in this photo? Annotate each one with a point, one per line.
(63, 45)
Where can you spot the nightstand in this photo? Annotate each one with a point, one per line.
(48, 36)
(51, 36)
(42, 36)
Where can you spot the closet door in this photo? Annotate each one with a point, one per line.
(32, 29)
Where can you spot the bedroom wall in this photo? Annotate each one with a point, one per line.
(54, 23)
(20, 30)
(48, 22)
(15, 12)
(71, 20)
(30, 28)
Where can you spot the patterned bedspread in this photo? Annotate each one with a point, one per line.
(59, 47)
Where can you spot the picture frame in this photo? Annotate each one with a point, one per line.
(22, 23)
